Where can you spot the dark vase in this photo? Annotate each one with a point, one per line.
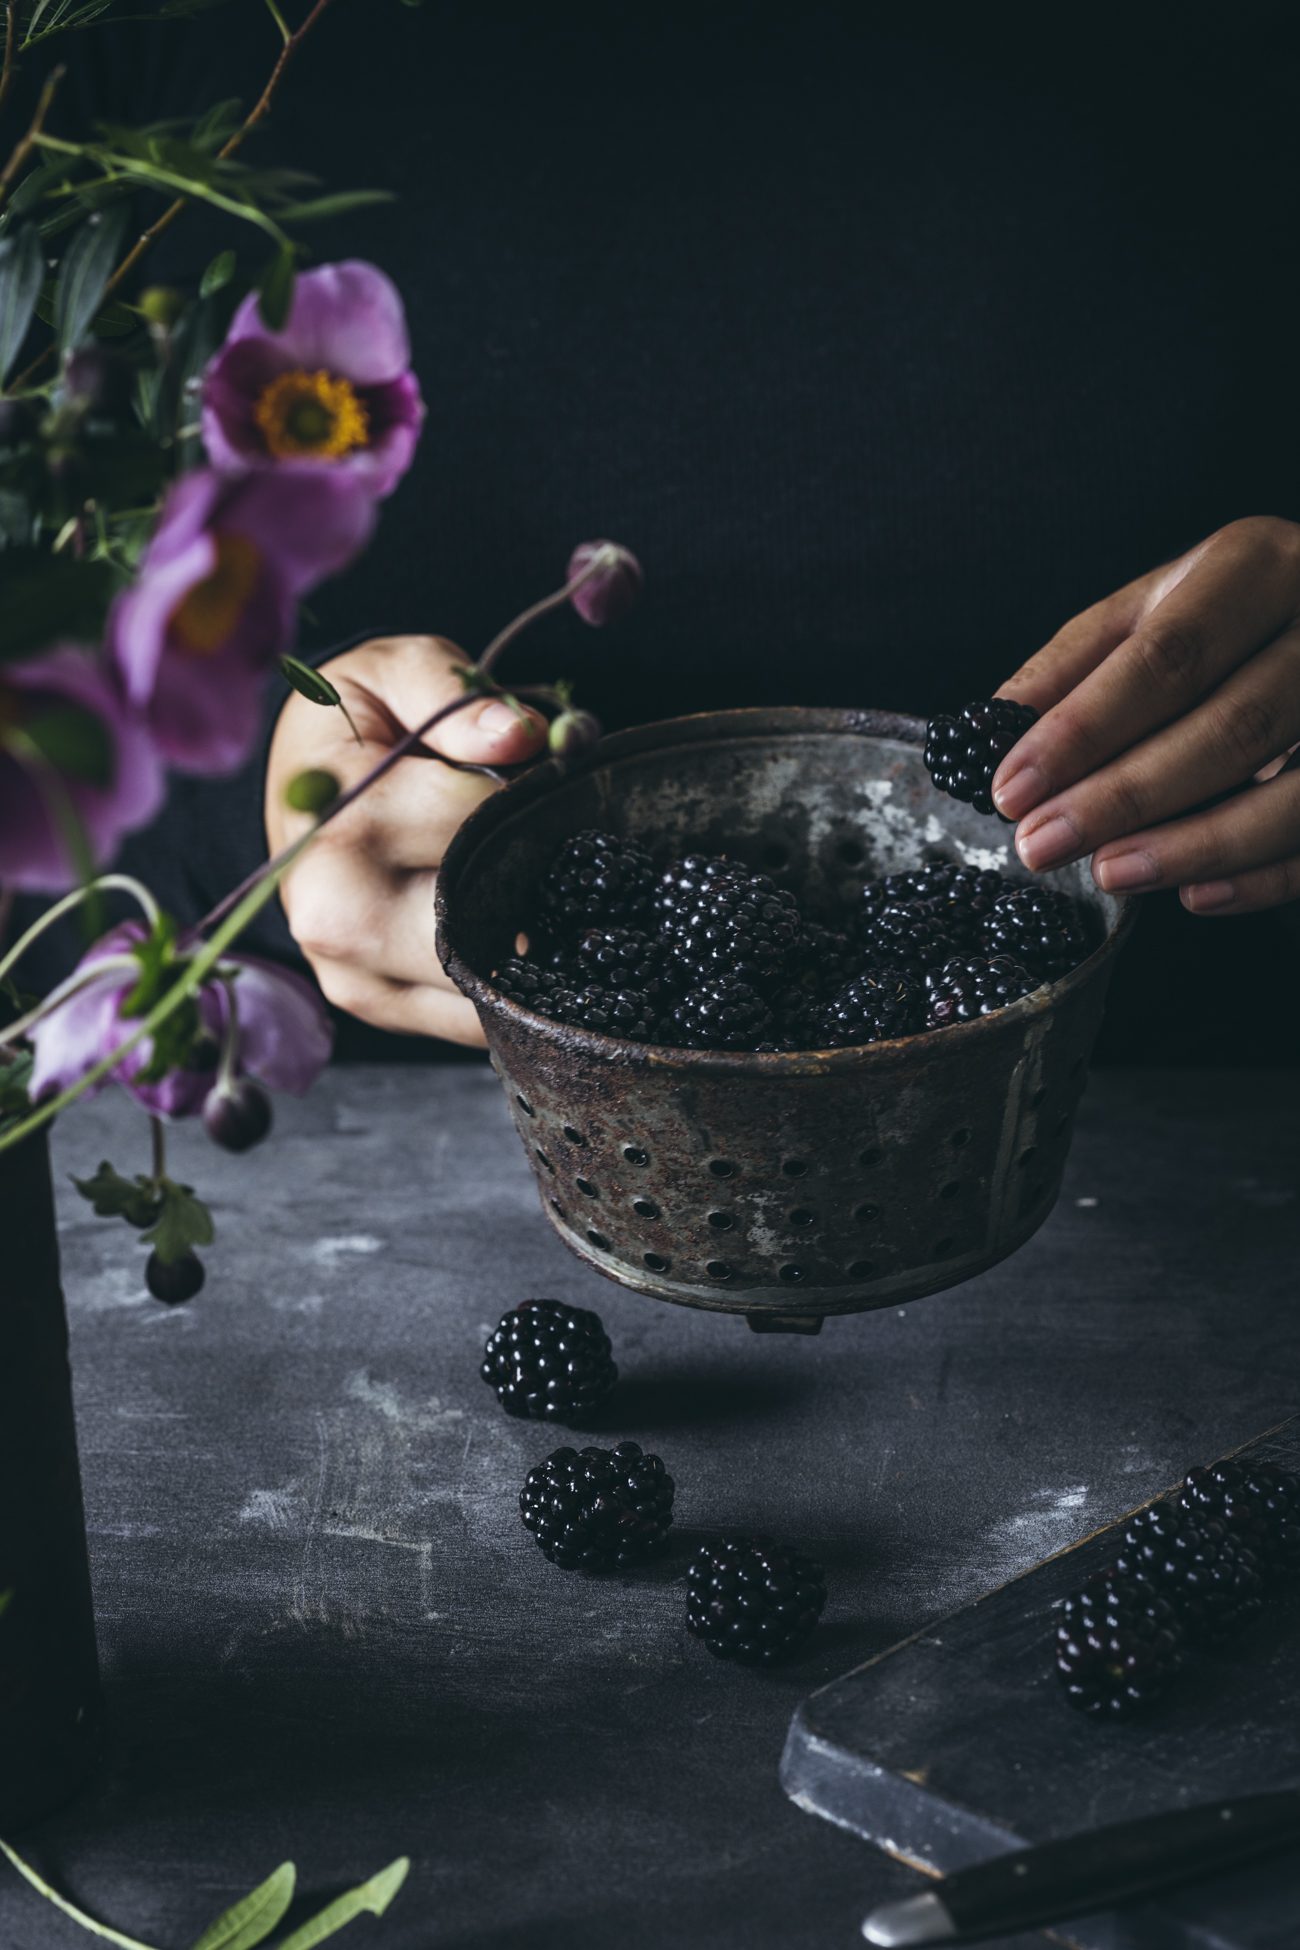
(50, 1706)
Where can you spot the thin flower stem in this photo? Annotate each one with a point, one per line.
(106, 883)
(39, 1883)
(230, 1041)
(158, 1148)
(606, 557)
(24, 148)
(11, 33)
(79, 979)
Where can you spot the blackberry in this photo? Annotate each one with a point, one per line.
(531, 985)
(738, 924)
(598, 1509)
(961, 902)
(1118, 1646)
(909, 884)
(963, 751)
(906, 936)
(1260, 1504)
(610, 1012)
(873, 1007)
(550, 1362)
(597, 877)
(971, 986)
(752, 1602)
(682, 881)
(1039, 928)
(1211, 1578)
(829, 959)
(626, 958)
(720, 1014)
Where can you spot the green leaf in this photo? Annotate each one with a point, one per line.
(275, 291)
(254, 1916)
(372, 1897)
(218, 274)
(216, 124)
(22, 269)
(114, 320)
(75, 742)
(316, 208)
(15, 1080)
(50, 596)
(86, 268)
(309, 683)
(183, 1223)
(113, 1197)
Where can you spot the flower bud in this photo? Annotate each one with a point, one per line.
(612, 588)
(237, 1114)
(573, 733)
(173, 1281)
(311, 792)
(161, 305)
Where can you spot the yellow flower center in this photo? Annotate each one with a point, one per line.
(311, 415)
(207, 616)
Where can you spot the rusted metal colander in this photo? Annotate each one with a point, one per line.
(789, 1186)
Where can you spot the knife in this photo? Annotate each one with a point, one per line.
(1101, 1868)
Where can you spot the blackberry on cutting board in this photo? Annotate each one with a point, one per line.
(1258, 1501)
(549, 1362)
(1039, 928)
(1211, 1578)
(627, 958)
(963, 750)
(722, 1013)
(629, 1013)
(739, 925)
(752, 1602)
(598, 1509)
(1119, 1644)
(596, 877)
(973, 985)
(877, 1005)
(906, 936)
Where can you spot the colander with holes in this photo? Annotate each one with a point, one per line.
(783, 1186)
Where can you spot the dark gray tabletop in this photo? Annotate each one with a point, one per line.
(327, 1637)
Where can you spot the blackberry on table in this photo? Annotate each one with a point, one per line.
(550, 1362)
(531, 984)
(598, 1509)
(752, 1602)
(740, 925)
(1258, 1501)
(597, 877)
(964, 750)
(626, 958)
(1211, 1578)
(873, 1007)
(722, 1013)
(973, 985)
(1118, 1646)
(906, 936)
(629, 1013)
(1039, 928)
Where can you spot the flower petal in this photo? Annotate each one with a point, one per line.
(285, 1034)
(346, 318)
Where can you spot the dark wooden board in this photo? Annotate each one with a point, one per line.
(956, 1745)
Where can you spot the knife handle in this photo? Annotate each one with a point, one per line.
(1106, 1867)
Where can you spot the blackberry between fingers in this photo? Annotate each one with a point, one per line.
(720, 1014)
(1118, 1646)
(971, 986)
(1039, 928)
(964, 750)
(752, 1602)
(549, 1362)
(882, 1003)
(597, 877)
(598, 1509)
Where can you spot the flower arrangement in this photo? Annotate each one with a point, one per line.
(178, 471)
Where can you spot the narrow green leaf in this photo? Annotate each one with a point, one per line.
(216, 123)
(372, 1897)
(114, 320)
(75, 742)
(22, 267)
(218, 274)
(253, 1917)
(317, 208)
(275, 291)
(309, 683)
(183, 1223)
(86, 268)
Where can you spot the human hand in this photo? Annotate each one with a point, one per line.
(1182, 686)
(360, 900)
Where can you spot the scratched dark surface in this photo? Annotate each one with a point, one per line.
(326, 1636)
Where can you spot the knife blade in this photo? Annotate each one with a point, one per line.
(1101, 1868)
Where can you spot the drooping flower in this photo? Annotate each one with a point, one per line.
(612, 581)
(333, 390)
(215, 601)
(67, 698)
(281, 1032)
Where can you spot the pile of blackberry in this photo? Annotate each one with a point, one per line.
(706, 953)
(1194, 1571)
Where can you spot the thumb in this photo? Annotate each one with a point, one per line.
(417, 675)
(489, 732)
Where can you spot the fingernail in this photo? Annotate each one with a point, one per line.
(1049, 845)
(1203, 896)
(1123, 873)
(1020, 792)
(496, 719)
